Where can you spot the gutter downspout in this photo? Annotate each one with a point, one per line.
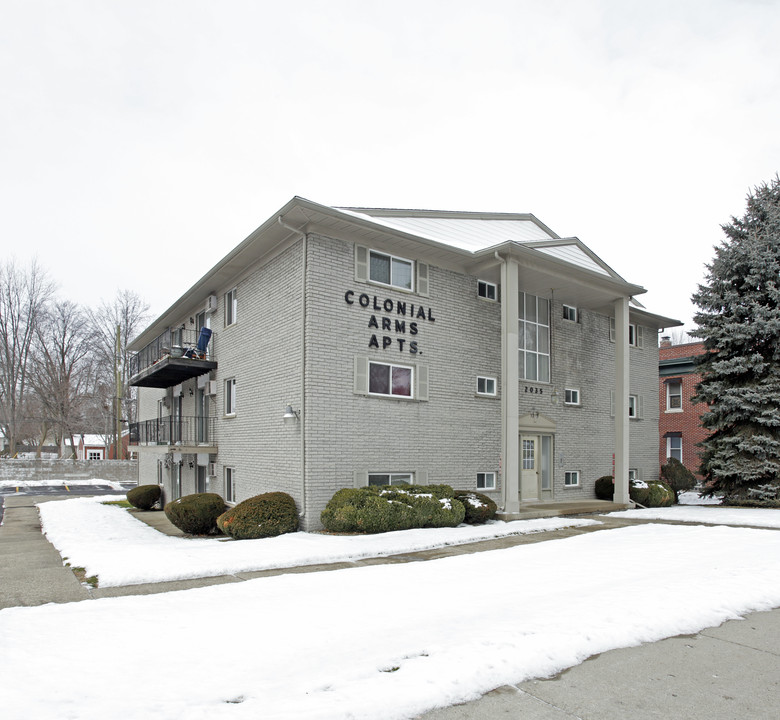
(503, 400)
(304, 268)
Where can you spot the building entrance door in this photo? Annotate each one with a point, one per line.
(529, 467)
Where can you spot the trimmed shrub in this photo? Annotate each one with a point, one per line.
(479, 508)
(261, 516)
(639, 492)
(144, 497)
(196, 514)
(659, 495)
(375, 509)
(677, 477)
(605, 487)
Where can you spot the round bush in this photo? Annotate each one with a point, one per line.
(376, 509)
(659, 495)
(144, 497)
(605, 487)
(639, 492)
(479, 508)
(196, 514)
(261, 516)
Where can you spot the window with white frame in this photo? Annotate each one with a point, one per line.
(635, 334)
(230, 396)
(387, 379)
(390, 478)
(633, 406)
(571, 478)
(534, 338)
(674, 447)
(231, 306)
(633, 474)
(486, 481)
(487, 290)
(230, 484)
(571, 396)
(486, 386)
(390, 270)
(674, 396)
(570, 313)
(94, 454)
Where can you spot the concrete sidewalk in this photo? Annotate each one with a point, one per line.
(723, 673)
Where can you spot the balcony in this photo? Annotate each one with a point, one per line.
(172, 358)
(187, 434)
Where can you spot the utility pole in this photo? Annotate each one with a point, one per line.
(117, 369)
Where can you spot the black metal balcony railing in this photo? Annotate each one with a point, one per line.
(172, 358)
(173, 430)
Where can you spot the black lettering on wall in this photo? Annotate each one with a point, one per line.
(386, 324)
(400, 326)
(373, 342)
(413, 328)
(386, 342)
(364, 300)
(372, 323)
(348, 297)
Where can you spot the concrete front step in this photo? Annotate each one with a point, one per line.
(532, 510)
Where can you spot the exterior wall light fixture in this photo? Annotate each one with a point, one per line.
(290, 414)
(554, 396)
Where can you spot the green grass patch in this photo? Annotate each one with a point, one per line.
(118, 503)
(81, 576)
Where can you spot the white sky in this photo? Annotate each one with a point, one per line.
(141, 140)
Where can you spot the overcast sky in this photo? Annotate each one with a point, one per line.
(142, 140)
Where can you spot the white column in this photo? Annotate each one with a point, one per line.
(621, 400)
(510, 375)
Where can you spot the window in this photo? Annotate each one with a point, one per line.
(633, 474)
(529, 454)
(390, 478)
(674, 447)
(94, 454)
(230, 396)
(230, 484)
(486, 386)
(394, 380)
(390, 270)
(571, 396)
(534, 338)
(635, 334)
(674, 396)
(231, 306)
(486, 481)
(633, 406)
(571, 478)
(570, 313)
(487, 290)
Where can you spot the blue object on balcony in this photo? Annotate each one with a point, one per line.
(199, 351)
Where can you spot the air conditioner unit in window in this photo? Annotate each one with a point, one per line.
(211, 387)
(211, 303)
(212, 469)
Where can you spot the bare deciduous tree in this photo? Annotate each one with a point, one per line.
(63, 368)
(129, 312)
(24, 294)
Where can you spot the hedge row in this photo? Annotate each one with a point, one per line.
(376, 509)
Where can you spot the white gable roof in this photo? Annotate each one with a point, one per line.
(479, 231)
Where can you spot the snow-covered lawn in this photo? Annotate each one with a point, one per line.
(383, 641)
(754, 517)
(109, 542)
(61, 481)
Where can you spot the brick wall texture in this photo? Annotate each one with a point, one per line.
(687, 420)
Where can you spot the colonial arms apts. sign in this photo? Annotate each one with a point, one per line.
(396, 330)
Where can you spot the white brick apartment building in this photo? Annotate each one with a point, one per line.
(479, 350)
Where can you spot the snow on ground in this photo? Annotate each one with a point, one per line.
(383, 641)
(754, 517)
(62, 481)
(121, 550)
(693, 498)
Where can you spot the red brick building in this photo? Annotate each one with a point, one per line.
(679, 421)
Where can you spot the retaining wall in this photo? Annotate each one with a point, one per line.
(22, 470)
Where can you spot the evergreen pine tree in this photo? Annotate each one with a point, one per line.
(739, 321)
